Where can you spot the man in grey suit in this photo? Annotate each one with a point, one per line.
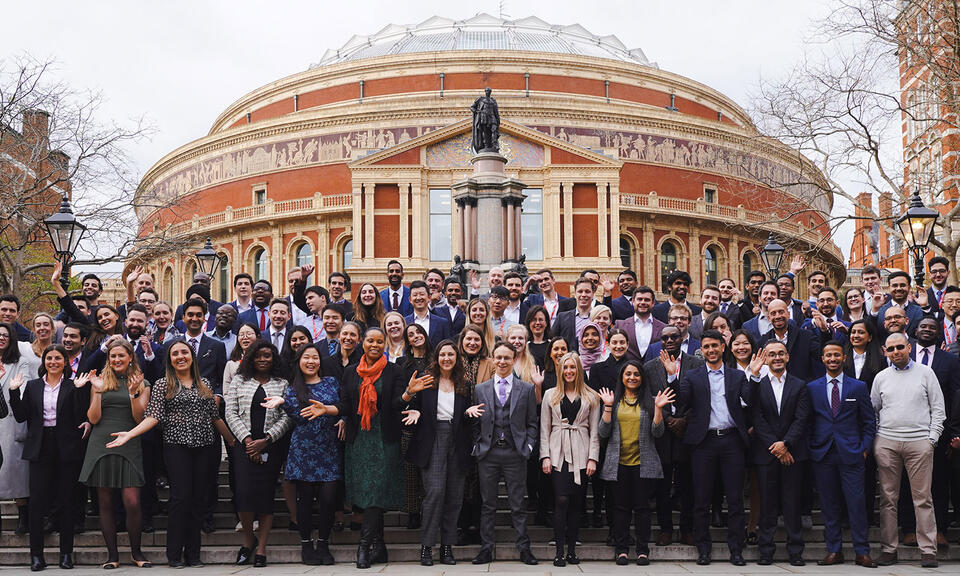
(507, 413)
(642, 328)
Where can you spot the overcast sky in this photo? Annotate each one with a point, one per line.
(180, 64)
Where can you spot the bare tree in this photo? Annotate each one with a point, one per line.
(873, 65)
(55, 143)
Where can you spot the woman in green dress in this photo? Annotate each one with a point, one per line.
(118, 399)
(372, 396)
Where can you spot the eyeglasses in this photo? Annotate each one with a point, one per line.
(896, 347)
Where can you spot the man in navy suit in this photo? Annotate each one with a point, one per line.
(899, 283)
(709, 303)
(679, 284)
(826, 322)
(548, 297)
(243, 290)
(570, 322)
(276, 332)
(438, 328)
(842, 429)
(803, 345)
(622, 305)
(642, 328)
(450, 309)
(679, 318)
(779, 412)
(10, 314)
(259, 314)
(713, 398)
(939, 268)
(759, 325)
(396, 297)
(517, 307)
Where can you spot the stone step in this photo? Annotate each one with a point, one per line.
(346, 554)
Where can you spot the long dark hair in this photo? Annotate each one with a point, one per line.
(67, 370)
(728, 357)
(845, 310)
(458, 375)
(875, 360)
(11, 355)
(548, 364)
(368, 315)
(298, 382)
(237, 353)
(643, 393)
(427, 345)
(246, 368)
(289, 357)
(531, 314)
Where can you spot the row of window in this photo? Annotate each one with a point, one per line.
(441, 224)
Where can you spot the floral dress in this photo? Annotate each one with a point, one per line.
(314, 454)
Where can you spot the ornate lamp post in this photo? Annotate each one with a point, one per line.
(208, 261)
(916, 225)
(772, 256)
(65, 232)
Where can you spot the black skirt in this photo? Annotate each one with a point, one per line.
(563, 483)
(256, 483)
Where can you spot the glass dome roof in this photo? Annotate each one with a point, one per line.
(483, 32)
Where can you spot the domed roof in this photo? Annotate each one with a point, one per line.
(484, 32)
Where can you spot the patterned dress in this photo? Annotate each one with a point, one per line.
(314, 454)
(372, 466)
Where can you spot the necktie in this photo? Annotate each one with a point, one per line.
(939, 296)
(925, 358)
(193, 344)
(396, 301)
(835, 398)
(332, 347)
(951, 332)
(278, 339)
(263, 320)
(502, 390)
(723, 307)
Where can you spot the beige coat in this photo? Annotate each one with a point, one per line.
(572, 442)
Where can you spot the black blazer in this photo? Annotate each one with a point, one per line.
(72, 404)
(457, 322)
(565, 326)
(869, 372)
(425, 432)
(789, 424)
(947, 368)
(804, 349)
(604, 374)
(693, 399)
(389, 401)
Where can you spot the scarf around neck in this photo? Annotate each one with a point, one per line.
(367, 406)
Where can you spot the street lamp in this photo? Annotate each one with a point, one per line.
(772, 256)
(208, 261)
(916, 225)
(65, 234)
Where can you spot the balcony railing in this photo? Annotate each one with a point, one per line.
(317, 203)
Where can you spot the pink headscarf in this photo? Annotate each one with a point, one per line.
(590, 357)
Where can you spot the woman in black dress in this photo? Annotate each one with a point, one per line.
(417, 355)
(538, 328)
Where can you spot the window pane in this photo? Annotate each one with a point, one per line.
(710, 266)
(625, 253)
(668, 263)
(747, 268)
(531, 224)
(260, 266)
(347, 254)
(441, 226)
(305, 258)
(224, 279)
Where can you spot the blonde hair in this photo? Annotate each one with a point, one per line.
(598, 310)
(579, 384)
(524, 363)
(111, 380)
(35, 345)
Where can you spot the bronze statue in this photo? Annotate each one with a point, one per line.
(459, 270)
(486, 124)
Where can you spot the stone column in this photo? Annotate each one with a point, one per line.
(357, 222)
(568, 219)
(404, 188)
(650, 266)
(551, 221)
(518, 244)
(490, 249)
(323, 253)
(472, 238)
(461, 236)
(615, 221)
(418, 217)
(695, 259)
(278, 268)
(511, 231)
(602, 245)
(369, 232)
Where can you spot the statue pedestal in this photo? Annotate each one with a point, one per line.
(488, 210)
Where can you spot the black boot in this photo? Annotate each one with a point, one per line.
(378, 550)
(307, 554)
(446, 556)
(23, 519)
(363, 547)
(426, 556)
(324, 557)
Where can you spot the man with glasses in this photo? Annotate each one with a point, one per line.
(939, 268)
(910, 414)
(679, 318)
(498, 301)
(899, 283)
(259, 314)
(678, 283)
(949, 307)
(825, 320)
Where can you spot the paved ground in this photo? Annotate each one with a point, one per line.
(517, 569)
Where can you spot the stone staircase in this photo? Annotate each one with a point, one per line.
(220, 547)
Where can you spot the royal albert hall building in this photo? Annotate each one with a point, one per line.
(351, 163)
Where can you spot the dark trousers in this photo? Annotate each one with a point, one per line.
(870, 487)
(513, 467)
(779, 487)
(326, 494)
(681, 474)
(633, 503)
(152, 443)
(52, 482)
(838, 482)
(940, 491)
(190, 479)
(443, 487)
(718, 457)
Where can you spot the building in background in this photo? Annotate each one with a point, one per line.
(350, 164)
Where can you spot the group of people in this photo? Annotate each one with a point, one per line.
(422, 397)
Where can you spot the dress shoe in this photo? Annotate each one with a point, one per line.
(559, 561)
(737, 559)
(426, 556)
(259, 561)
(831, 559)
(929, 561)
(66, 561)
(527, 557)
(797, 560)
(687, 539)
(887, 559)
(323, 556)
(485, 556)
(244, 556)
(37, 563)
(446, 556)
(622, 560)
(195, 563)
(664, 539)
(909, 539)
(572, 558)
(703, 560)
(765, 561)
(643, 560)
(175, 564)
(864, 560)
(752, 539)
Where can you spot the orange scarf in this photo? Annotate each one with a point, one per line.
(367, 407)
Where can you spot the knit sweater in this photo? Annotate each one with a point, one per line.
(908, 403)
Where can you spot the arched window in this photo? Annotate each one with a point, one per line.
(168, 285)
(747, 267)
(261, 266)
(304, 257)
(668, 262)
(191, 271)
(347, 257)
(224, 278)
(710, 266)
(626, 253)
